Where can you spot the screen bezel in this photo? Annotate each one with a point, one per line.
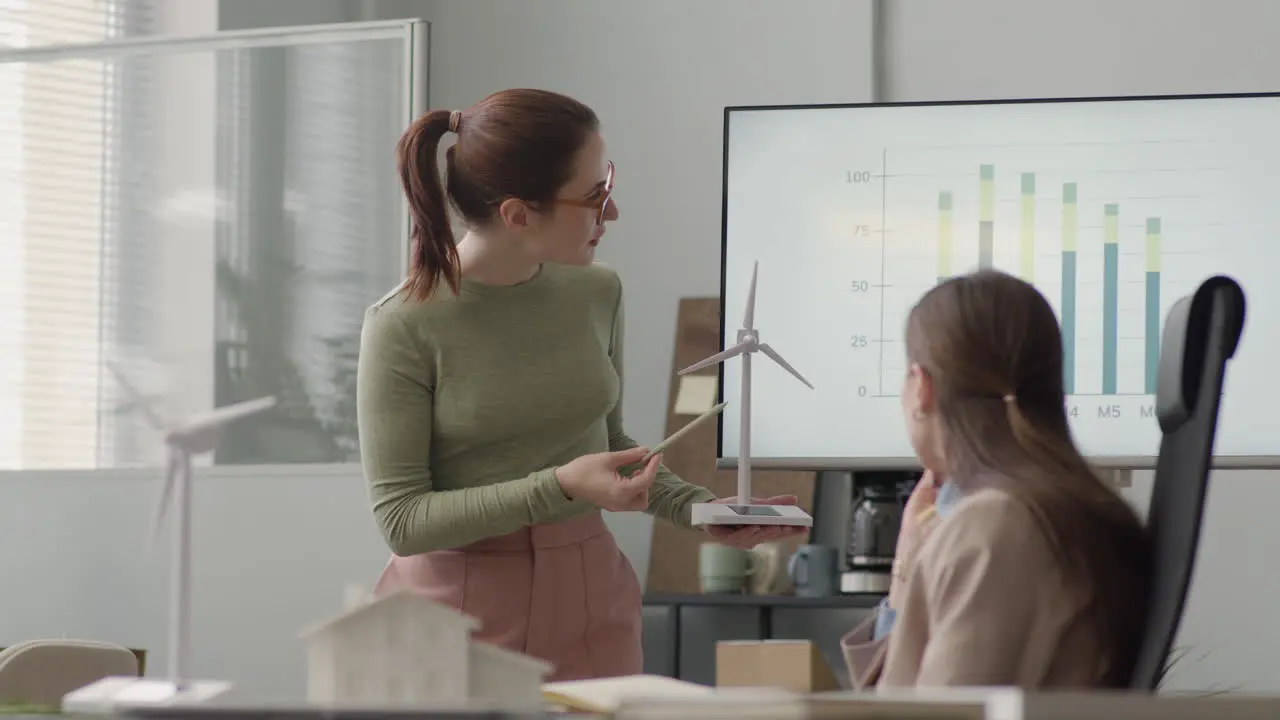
(819, 464)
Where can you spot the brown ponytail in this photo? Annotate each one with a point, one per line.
(1052, 450)
(433, 252)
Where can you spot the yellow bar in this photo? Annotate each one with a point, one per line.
(1153, 244)
(1028, 227)
(1069, 217)
(944, 235)
(986, 193)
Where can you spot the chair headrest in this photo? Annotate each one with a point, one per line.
(1187, 329)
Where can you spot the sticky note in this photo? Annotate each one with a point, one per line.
(696, 394)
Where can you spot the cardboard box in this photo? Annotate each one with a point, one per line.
(794, 665)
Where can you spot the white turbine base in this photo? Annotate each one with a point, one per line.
(721, 514)
(119, 692)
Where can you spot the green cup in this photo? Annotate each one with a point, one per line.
(724, 569)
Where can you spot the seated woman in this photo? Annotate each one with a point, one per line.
(1023, 568)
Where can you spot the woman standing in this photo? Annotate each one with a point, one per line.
(490, 391)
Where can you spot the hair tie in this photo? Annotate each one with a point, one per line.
(454, 118)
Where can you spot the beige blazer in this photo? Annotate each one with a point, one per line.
(985, 604)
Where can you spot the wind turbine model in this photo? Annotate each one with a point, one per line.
(744, 513)
(195, 436)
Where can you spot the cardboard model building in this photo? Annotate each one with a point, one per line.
(404, 650)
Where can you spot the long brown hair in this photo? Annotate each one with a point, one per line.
(512, 144)
(992, 346)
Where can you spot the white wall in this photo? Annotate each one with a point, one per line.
(1011, 48)
(1006, 48)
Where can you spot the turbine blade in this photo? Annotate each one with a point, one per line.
(136, 396)
(172, 470)
(774, 356)
(719, 357)
(748, 320)
(218, 418)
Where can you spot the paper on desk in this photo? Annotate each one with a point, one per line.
(696, 394)
(606, 695)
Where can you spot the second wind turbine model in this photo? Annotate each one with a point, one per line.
(744, 513)
(197, 435)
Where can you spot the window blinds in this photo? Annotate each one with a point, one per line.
(213, 222)
(56, 188)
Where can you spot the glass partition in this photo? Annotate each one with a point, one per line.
(211, 215)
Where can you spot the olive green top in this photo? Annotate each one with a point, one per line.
(468, 403)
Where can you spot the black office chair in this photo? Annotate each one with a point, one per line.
(1201, 333)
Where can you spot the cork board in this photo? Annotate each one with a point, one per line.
(673, 564)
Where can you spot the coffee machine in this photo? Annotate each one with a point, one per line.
(878, 503)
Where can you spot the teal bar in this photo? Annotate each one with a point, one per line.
(1110, 297)
(1069, 287)
(1069, 322)
(1153, 331)
(1152, 334)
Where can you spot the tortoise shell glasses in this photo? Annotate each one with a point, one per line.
(597, 200)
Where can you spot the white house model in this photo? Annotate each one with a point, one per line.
(404, 650)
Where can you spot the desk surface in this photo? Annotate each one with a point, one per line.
(832, 601)
(230, 712)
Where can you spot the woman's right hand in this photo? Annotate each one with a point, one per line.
(597, 479)
(918, 518)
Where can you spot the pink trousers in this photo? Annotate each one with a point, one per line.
(562, 592)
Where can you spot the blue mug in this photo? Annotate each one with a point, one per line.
(814, 570)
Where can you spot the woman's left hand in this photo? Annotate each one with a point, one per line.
(746, 537)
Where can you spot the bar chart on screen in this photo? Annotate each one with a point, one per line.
(1092, 225)
(1113, 209)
